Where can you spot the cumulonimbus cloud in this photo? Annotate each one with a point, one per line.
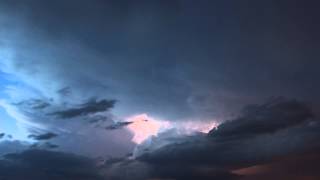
(261, 133)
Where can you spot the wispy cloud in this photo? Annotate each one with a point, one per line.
(23, 122)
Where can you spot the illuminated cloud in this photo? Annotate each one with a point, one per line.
(188, 65)
(194, 126)
(144, 127)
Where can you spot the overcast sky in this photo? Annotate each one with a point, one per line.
(85, 80)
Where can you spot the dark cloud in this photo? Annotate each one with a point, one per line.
(209, 57)
(90, 107)
(42, 164)
(2, 135)
(64, 91)
(127, 170)
(46, 145)
(275, 115)
(50, 145)
(45, 136)
(137, 170)
(191, 173)
(118, 125)
(86, 128)
(288, 167)
(100, 119)
(175, 60)
(245, 141)
(9, 146)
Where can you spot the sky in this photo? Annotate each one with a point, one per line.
(159, 89)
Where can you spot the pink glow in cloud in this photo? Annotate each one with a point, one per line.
(144, 126)
(197, 126)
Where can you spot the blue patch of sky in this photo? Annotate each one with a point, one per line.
(8, 124)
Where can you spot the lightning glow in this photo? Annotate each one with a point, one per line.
(197, 126)
(144, 126)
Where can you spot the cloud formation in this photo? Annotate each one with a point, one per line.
(277, 114)
(36, 104)
(228, 152)
(136, 53)
(42, 164)
(2, 135)
(10, 146)
(232, 141)
(45, 136)
(90, 107)
(118, 125)
(45, 145)
(260, 134)
(174, 60)
(69, 123)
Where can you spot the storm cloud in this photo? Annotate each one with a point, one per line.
(227, 152)
(291, 130)
(41, 164)
(275, 115)
(74, 73)
(210, 58)
(255, 136)
(10, 146)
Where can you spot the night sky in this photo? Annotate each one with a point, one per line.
(159, 89)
